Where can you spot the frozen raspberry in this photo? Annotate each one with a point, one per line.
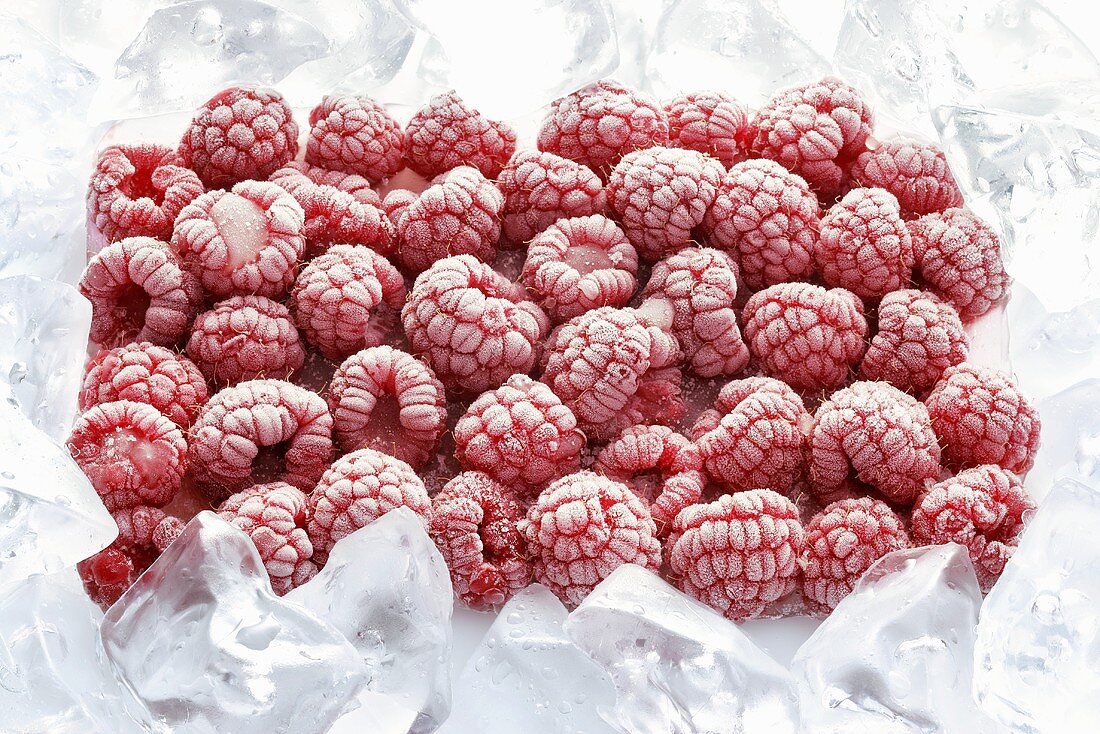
(599, 124)
(767, 218)
(474, 525)
(355, 134)
(139, 292)
(145, 373)
(709, 122)
(981, 417)
(842, 541)
(541, 188)
(583, 527)
(108, 574)
(959, 257)
(244, 338)
(347, 299)
(295, 173)
(130, 453)
(242, 133)
(916, 173)
(273, 516)
(813, 130)
(981, 508)
(357, 490)
(387, 400)
(701, 284)
(257, 432)
(919, 336)
(137, 191)
(396, 202)
(446, 133)
(166, 532)
(738, 553)
(807, 336)
(473, 326)
(864, 245)
(878, 434)
(580, 264)
(660, 195)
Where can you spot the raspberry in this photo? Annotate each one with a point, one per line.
(130, 453)
(916, 173)
(137, 191)
(139, 292)
(109, 573)
(599, 124)
(355, 134)
(242, 133)
(981, 508)
(709, 122)
(959, 257)
(292, 174)
(880, 434)
(446, 133)
(767, 218)
(257, 432)
(396, 202)
(738, 553)
(581, 528)
(809, 337)
(145, 373)
(387, 400)
(580, 264)
(919, 336)
(474, 525)
(864, 245)
(541, 188)
(660, 196)
(273, 516)
(701, 284)
(166, 532)
(842, 541)
(981, 417)
(472, 326)
(245, 338)
(347, 299)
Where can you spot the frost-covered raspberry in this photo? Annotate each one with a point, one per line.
(446, 133)
(473, 326)
(347, 299)
(396, 202)
(242, 133)
(660, 195)
(243, 338)
(981, 417)
(474, 525)
(583, 527)
(290, 175)
(709, 122)
(916, 173)
(244, 242)
(919, 336)
(145, 373)
(139, 291)
(108, 574)
(864, 245)
(807, 336)
(387, 400)
(258, 432)
(541, 188)
(738, 553)
(355, 134)
(579, 264)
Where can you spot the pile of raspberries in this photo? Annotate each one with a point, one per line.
(815, 282)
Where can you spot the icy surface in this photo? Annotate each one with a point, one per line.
(1052, 351)
(1071, 438)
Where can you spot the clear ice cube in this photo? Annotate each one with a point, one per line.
(1071, 438)
(1051, 352)
(95, 33)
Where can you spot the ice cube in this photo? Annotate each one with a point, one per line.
(1071, 438)
(95, 33)
(1051, 352)
(635, 29)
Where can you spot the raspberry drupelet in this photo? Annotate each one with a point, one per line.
(447, 133)
(916, 173)
(355, 134)
(244, 338)
(541, 188)
(143, 532)
(709, 122)
(145, 373)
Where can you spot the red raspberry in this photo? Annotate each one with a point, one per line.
(257, 432)
(916, 173)
(864, 245)
(167, 531)
(347, 299)
(981, 417)
(878, 433)
(474, 525)
(131, 454)
(767, 218)
(709, 122)
(242, 133)
(809, 337)
(109, 573)
(660, 196)
(385, 399)
(139, 292)
(145, 373)
(599, 124)
(273, 516)
(446, 133)
(738, 553)
(396, 202)
(137, 191)
(245, 338)
(981, 508)
(541, 188)
(355, 134)
(580, 264)
(290, 177)
(919, 336)
(584, 526)
(472, 325)
(842, 541)
(959, 257)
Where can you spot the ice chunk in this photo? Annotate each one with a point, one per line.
(95, 33)
(1071, 438)
(1051, 352)
(635, 29)
(207, 647)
